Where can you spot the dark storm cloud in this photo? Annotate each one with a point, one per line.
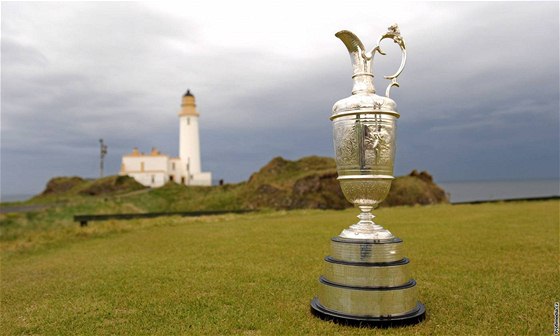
(478, 98)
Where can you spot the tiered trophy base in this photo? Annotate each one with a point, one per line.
(366, 283)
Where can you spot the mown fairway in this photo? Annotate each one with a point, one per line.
(481, 269)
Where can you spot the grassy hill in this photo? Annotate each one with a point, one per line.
(281, 184)
(72, 186)
(481, 270)
(308, 183)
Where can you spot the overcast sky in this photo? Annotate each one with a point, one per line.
(479, 97)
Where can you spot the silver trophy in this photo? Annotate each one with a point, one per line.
(365, 279)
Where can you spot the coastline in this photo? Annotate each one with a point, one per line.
(526, 199)
(484, 191)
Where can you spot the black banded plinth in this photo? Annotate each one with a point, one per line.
(366, 282)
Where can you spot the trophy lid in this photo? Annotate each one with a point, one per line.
(363, 99)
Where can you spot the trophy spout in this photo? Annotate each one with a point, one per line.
(361, 62)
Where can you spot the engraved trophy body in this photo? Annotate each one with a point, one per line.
(366, 279)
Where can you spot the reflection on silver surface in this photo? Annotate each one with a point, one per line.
(364, 275)
(364, 145)
(367, 251)
(367, 302)
(367, 277)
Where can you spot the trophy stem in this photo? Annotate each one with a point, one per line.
(366, 219)
(366, 228)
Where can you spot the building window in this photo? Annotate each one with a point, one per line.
(188, 121)
(182, 180)
(153, 179)
(172, 178)
(141, 166)
(173, 166)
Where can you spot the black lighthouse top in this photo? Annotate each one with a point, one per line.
(188, 93)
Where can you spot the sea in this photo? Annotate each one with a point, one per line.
(15, 197)
(471, 191)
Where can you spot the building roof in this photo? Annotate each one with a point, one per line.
(153, 153)
(188, 93)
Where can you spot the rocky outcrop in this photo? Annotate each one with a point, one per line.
(318, 191)
(111, 185)
(68, 186)
(416, 188)
(59, 185)
(311, 183)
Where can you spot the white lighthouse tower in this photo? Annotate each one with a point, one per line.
(189, 143)
(156, 169)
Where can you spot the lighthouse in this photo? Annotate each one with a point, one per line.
(155, 169)
(189, 142)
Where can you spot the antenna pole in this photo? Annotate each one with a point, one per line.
(103, 152)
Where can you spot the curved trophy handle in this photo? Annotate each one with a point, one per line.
(394, 34)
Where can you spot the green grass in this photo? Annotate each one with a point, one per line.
(481, 269)
(21, 231)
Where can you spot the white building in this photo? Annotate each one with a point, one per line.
(156, 169)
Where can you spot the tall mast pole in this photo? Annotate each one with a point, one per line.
(103, 152)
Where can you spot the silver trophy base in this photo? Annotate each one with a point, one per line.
(366, 282)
